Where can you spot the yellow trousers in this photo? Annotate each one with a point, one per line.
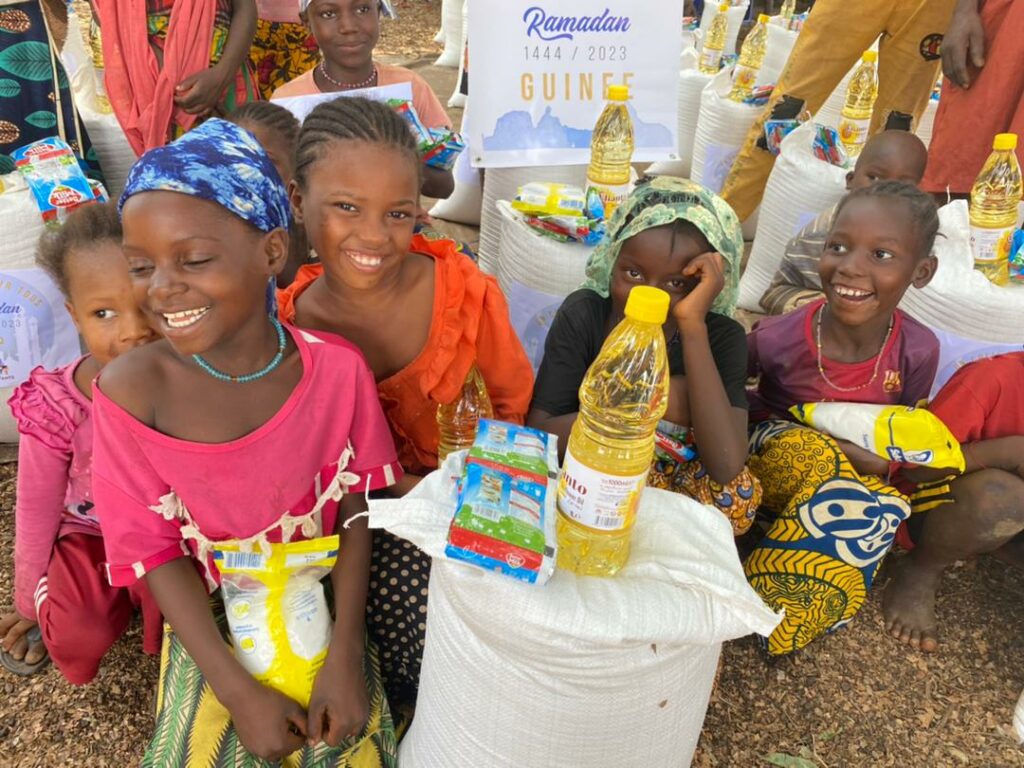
(833, 37)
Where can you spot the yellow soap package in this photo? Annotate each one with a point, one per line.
(542, 198)
(277, 611)
(897, 433)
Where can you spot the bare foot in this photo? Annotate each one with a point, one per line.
(908, 606)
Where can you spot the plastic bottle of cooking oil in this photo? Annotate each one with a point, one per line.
(993, 209)
(714, 45)
(787, 10)
(860, 102)
(622, 398)
(611, 150)
(751, 57)
(457, 421)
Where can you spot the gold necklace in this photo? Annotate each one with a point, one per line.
(878, 357)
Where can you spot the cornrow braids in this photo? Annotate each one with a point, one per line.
(351, 119)
(920, 204)
(86, 227)
(271, 116)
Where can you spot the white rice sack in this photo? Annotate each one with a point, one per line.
(961, 300)
(463, 205)
(736, 14)
(1018, 719)
(927, 122)
(691, 83)
(603, 673)
(458, 98)
(780, 45)
(799, 188)
(721, 129)
(451, 14)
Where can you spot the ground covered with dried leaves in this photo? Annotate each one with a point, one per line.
(856, 698)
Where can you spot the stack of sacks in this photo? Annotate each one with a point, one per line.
(454, 31)
(536, 273)
(721, 129)
(691, 83)
(582, 671)
(115, 154)
(463, 205)
(736, 14)
(458, 98)
(502, 184)
(800, 187)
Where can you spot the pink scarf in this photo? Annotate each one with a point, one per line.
(140, 91)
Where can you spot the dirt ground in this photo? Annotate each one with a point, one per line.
(856, 698)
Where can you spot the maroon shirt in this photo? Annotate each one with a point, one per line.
(782, 352)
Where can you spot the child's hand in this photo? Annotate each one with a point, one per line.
(269, 724)
(199, 93)
(340, 706)
(693, 308)
(13, 638)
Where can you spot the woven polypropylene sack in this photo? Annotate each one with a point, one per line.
(502, 184)
(535, 273)
(451, 12)
(776, 54)
(799, 188)
(959, 299)
(603, 673)
(1018, 719)
(927, 122)
(691, 82)
(463, 205)
(458, 98)
(721, 130)
(736, 14)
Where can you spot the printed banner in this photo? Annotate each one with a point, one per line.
(540, 70)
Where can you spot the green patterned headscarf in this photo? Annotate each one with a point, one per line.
(661, 201)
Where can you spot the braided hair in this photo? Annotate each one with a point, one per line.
(86, 227)
(271, 116)
(920, 204)
(351, 119)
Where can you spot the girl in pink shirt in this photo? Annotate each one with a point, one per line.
(64, 608)
(235, 429)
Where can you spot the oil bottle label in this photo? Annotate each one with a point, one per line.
(710, 59)
(612, 195)
(744, 78)
(990, 246)
(852, 131)
(597, 500)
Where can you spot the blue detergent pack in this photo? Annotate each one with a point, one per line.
(505, 515)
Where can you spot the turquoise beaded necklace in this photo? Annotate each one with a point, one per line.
(281, 344)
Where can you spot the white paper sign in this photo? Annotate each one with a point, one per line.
(301, 106)
(540, 69)
(35, 328)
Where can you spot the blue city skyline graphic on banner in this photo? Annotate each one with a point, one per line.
(516, 131)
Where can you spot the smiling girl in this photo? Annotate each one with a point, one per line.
(837, 515)
(235, 429)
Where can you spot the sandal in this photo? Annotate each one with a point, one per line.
(20, 666)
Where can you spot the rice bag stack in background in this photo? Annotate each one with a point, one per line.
(505, 515)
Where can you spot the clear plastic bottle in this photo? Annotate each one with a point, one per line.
(751, 57)
(993, 209)
(860, 103)
(787, 11)
(714, 45)
(622, 398)
(457, 421)
(611, 150)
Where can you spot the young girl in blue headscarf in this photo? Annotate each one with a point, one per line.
(235, 430)
(675, 235)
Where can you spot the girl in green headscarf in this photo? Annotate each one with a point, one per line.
(675, 235)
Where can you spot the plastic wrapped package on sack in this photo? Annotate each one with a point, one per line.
(516, 675)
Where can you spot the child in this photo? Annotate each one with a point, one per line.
(235, 429)
(675, 235)
(977, 512)
(419, 309)
(62, 604)
(282, 48)
(347, 32)
(889, 155)
(169, 63)
(277, 131)
(836, 515)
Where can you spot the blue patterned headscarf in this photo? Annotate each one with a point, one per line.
(220, 162)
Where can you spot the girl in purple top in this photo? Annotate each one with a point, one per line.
(64, 608)
(837, 515)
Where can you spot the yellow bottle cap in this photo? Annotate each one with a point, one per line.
(1004, 141)
(618, 92)
(869, 56)
(724, 7)
(647, 304)
(762, 18)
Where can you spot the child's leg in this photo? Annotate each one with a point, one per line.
(738, 499)
(986, 512)
(80, 614)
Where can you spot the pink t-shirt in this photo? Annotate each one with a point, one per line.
(783, 352)
(160, 498)
(427, 106)
(278, 10)
(54, 474)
